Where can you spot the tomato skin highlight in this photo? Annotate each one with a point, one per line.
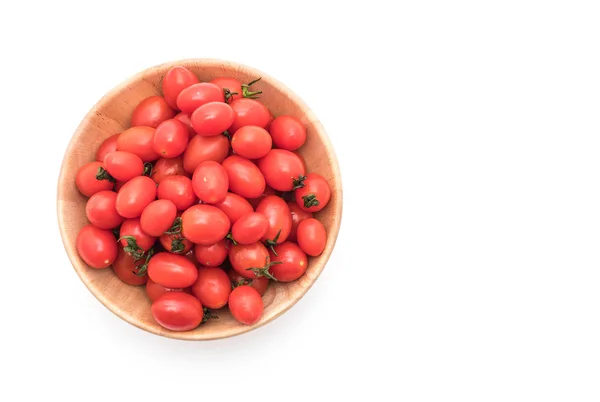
(96, 247)
(185, 119)
(126, 268)
(132, 227)
(138, 141)
(246, 305)
(168, 167)
(212, 287)
(196, 95)
(86, 181)
(293, 262)
(210, 182)
(158, 217)
(212, 255)
(101, 210)
(249, 112)
(287, 133)
(212, 118)
(245, 178)
(177, 189)
(202, 149)
(312, 237)
(176, 80)
(245, 256)
(315, 194)
(298, 215)
(280, 168)
(151, 112)
(177, 311)
(123, 166)
(234, 206)
(154, 290)
(109, 145)
(170, 138)
(134, 196)
(279, 217)
(260, 284)
(204, 224)
(251, 142)
(172, 270)
(250, 228)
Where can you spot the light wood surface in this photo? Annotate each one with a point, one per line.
(111, 115)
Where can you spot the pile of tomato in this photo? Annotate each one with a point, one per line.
(204, 200)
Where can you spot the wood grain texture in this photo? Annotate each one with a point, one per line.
(111, 115)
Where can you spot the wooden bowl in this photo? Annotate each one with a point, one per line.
(112, 115)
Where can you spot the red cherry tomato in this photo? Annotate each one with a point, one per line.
(249, 112)
(170, 138)
(212, 287)
(96, 247)
(177, 189)
(168, 167)
(298, 215)
(246, 305)
(213, 255)
(158, 217)
(260, 284)
(86, 180)
(109, 145)
(123, 166)
(250, 228)
(194, 96)
(128, 270)
(210, 182)
(176, 80)
(245, 178)
(278, 214)
(212, 118)
(204, 224)
(231, 87)
(281, 169)
(139, 141)
(315, 193)
(177, 311)
(287, 132)
(134, 196)
(101, 210)
(185, 119)
(312, 236)
(154, 290)
(293, 262)
(175, 243)
(131, 228)
(202, 149)
(172, 270)
(151, 112)
(249, 260)
(234, 206)
(251, 142)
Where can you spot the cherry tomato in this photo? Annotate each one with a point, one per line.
(293, 262)
(212, 287)
(278, 214)
(139, 141)
(172, 270)
(315, 193)
(213, 255)
(260, 284)
(246, 305)
(96, 247)
(202, 149)
(194, 96)
(312, 237)
(245, 178)
(135, 195)
(210, 182)
(86, 180)
(151, 112)
(185, 119)
(177, 311)
(204, 224)
(170, 138)
(250, 260)
(234, 207)
(101, 210)
(154, 290)
(231, 87)
(250, 228)
(175, 243)
(123, 166)
(168, 167)
(127, 269)
(158, 217)
(109, 145)
(177, 189)
(302, 159)
(281, 169)
(251, 142)
(287, 132)
(212, 118)
(298, 215)
(249, 112)
(176, 80)
(131, 228)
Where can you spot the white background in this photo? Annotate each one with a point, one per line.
(467, 264)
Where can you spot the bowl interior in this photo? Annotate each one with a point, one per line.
(111, 115)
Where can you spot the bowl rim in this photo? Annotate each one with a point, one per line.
(80, 267)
